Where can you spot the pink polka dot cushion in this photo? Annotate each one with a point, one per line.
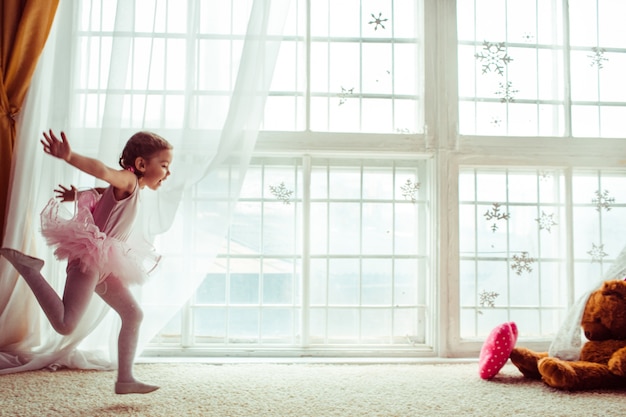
(496, 350)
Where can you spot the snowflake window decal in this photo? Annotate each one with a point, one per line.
(597, 253)
(493, 57)
(496, 122)
(409, 190)
(281, 193)
(495, 213)
(507, 92)
(378, 21)
(487, 298)
(345, 94)
(603, 201)
(528, 37)
(522, 263)
(546, 221)
(598, 57)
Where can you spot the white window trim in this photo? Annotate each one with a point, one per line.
(449, 151)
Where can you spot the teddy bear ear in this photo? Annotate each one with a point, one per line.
(616, 288)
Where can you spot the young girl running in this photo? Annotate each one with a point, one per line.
(94, 242)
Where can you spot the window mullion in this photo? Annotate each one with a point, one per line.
(306, 250)
(441, 79)
(567, 87)
(307, 104)
(187, 333)
(569, 236)
(441, 134)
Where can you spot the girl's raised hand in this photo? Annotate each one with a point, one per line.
(66, 194)
(56, 147)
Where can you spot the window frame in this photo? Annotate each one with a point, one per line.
(449, 152)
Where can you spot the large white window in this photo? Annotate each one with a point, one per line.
(426, 169)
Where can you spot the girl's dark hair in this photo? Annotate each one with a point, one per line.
(142, 144)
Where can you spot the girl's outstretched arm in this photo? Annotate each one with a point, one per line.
(60, 148)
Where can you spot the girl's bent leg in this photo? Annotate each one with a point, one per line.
(64, 314)
(119, 297)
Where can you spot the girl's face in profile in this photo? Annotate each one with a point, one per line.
(156, 169)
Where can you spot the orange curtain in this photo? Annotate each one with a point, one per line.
(24, 28)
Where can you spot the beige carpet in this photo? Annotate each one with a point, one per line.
(263, 389)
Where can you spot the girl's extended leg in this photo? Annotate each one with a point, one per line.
(119, 297)
(64, 314)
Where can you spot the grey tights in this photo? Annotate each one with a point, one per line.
(64, 314)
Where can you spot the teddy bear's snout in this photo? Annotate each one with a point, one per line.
(598, 333)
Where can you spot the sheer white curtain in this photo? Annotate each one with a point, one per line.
(27, 340)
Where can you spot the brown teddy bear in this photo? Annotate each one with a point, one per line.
(602, 361)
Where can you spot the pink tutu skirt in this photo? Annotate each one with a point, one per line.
(78, 237)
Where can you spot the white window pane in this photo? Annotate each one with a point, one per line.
(376, 326)
(376, 288)
(277, 325)
(377, 183)
(345, 227)
(610, 23)
(343, 281)
(319, 228)
(244, 288)
(209, 325)
(243, 324)
(279, 233)
(212, 290)
(612, 87)
(377, 228)
(345, 18)
(176, 17)
(585, 121)
(404, 18)
(319, 282)
(376, 68)
(612, 121)
(343, 325)
(377, 115)
(215, 17)
(490, 18)
(344, 182)
(521, 20)
(278, 285)
(284, 114)
(584, 77)
(583, 17)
